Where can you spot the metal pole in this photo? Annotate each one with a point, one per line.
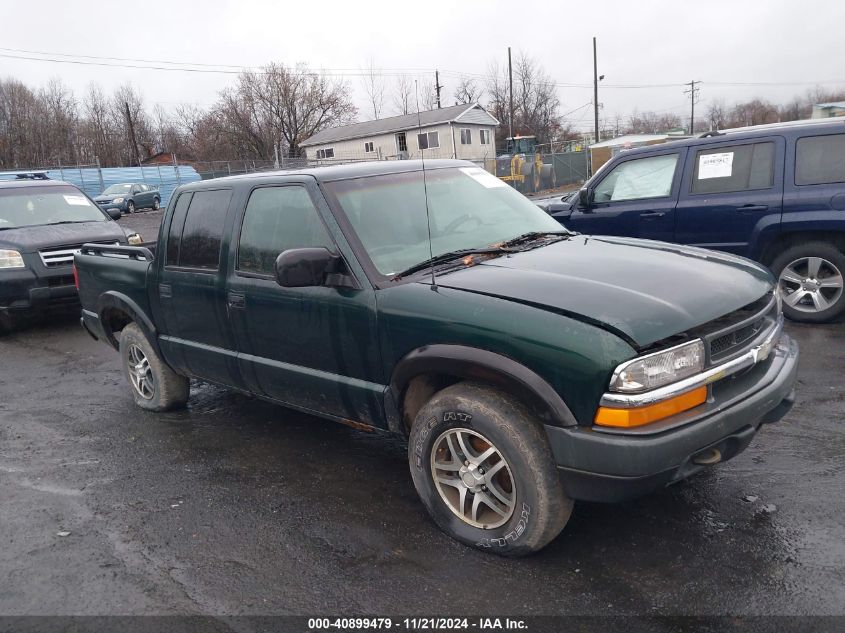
(437, 86)
(692, 109)
(510, 82)
(176, 169)
(596, 89)
(100, 174)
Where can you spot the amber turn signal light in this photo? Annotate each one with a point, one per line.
(628, 418)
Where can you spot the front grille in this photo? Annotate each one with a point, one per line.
(724, 345)
(63, 255)
(746, 327)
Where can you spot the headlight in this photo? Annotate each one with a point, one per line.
(11, 259)
(134, 239)
(658, 369)
(117, 200)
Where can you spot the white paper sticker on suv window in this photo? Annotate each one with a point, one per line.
(484, 177)
(79, 201)
(715, 165)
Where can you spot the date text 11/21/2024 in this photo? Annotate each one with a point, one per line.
(416, 624)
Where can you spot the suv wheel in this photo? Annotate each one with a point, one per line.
(130, 207)
(810, 277)
(154, 385)
(484, 471)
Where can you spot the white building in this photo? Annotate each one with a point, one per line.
(462, 131)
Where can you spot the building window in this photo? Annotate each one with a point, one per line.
(401, 142)
(466, 136)
(325, 153)
(484, 137)
(368, 147)
(428, 140)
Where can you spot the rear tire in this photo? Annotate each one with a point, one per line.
(449, 439)
(810, 277)
(154, 385)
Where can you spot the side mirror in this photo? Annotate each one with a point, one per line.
(585, 198)
(114, 214)
(305, 267)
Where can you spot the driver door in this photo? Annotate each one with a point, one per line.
(311, 348)
(636, 198)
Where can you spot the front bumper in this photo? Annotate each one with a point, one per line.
(24, 293)
(597, 465)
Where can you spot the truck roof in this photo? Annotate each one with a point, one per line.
(339, 172)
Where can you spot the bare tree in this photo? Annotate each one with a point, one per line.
(374, 87)
(426, 95)
(279, 107)
(403, 95)
(468, 91)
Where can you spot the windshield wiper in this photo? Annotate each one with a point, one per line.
(447, 257)
(533, 235)
(68, 222)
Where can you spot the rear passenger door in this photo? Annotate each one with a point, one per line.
(635, 198)
(198, 337)
(732, 192)
(313, 348)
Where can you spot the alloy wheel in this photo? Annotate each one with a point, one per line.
(473, 478)
(811, 284)
(140, 373)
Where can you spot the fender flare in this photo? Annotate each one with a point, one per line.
(118, 301)
(472, 363)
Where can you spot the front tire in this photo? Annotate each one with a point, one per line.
(130, 207)
(484, 471)
(156, 204)
(810, 277)
(154, 385)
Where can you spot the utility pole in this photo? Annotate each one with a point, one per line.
(510, 83)
(437, 86)
(132, 134)
(596, 89)
(693, 95)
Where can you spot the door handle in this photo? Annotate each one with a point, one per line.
(236, 300)
(650, 215)
(165, 291)
(753, 208)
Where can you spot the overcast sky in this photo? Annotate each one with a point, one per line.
(790, 46)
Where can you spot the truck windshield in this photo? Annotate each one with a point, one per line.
(34, 206)
(115, 189)
(468, 206)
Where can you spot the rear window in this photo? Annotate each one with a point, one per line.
(201, 229)
(734, 168)
(820, 160)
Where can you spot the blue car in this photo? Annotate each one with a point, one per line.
(772, 193)
(129, 198)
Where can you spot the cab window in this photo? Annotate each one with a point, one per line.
(277, 219)
(639, 179)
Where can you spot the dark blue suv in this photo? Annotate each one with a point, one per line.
(775, 194)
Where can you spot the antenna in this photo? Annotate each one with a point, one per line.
(425, 191)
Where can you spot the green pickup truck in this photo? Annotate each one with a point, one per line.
(527, 366)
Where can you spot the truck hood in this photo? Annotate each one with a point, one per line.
(642, 290)
(29, 239)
